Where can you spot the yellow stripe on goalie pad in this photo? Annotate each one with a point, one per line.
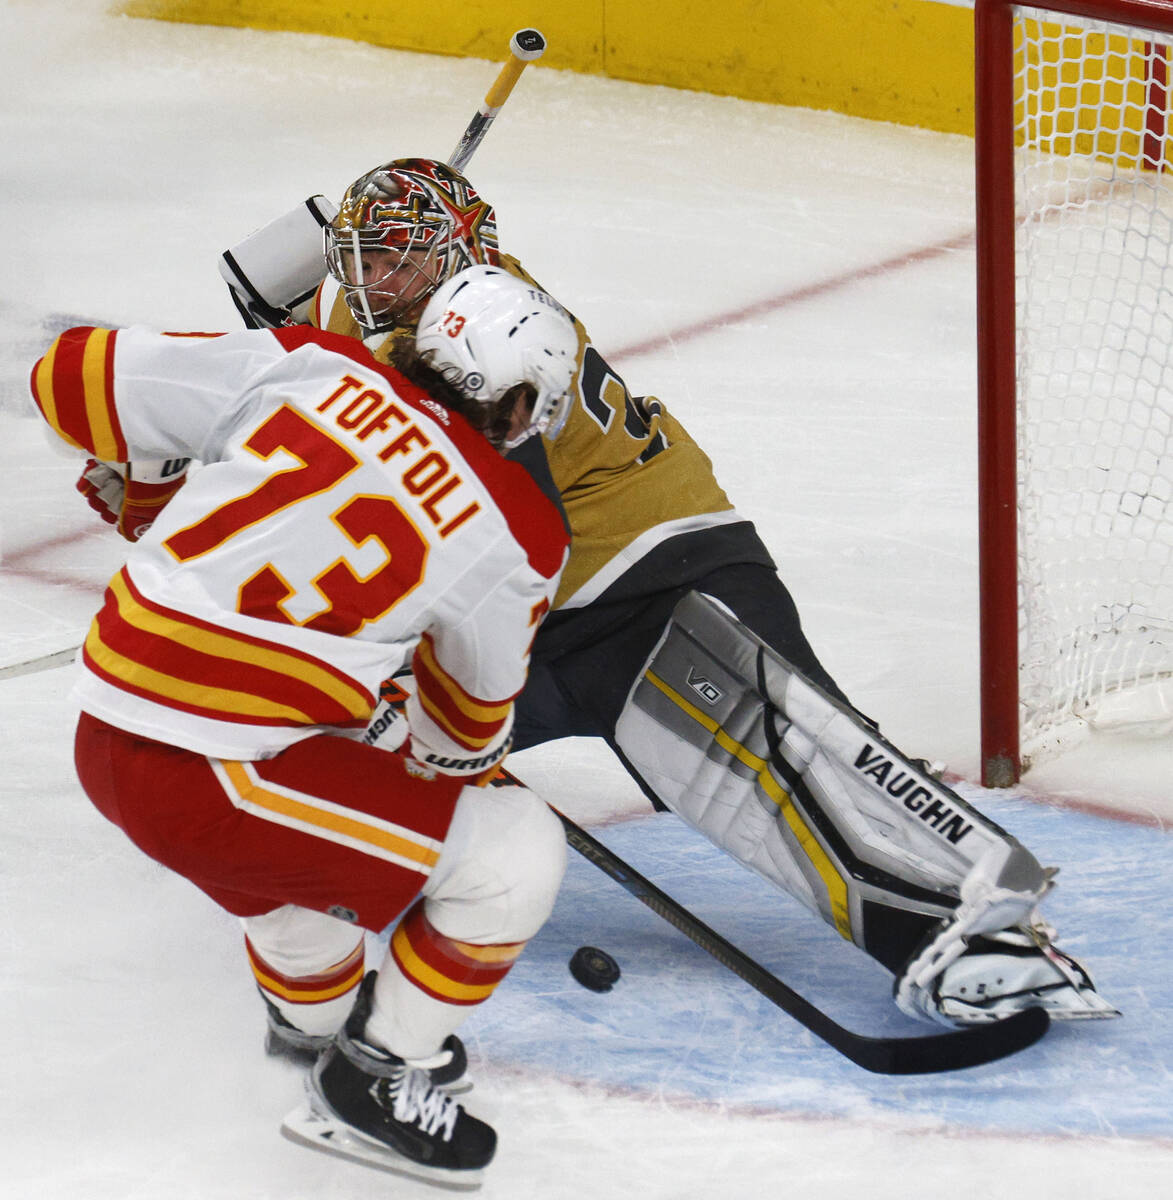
(833, 881)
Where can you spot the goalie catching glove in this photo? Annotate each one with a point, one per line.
(131, 495)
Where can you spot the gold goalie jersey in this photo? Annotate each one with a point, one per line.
(343, 525)
(628, 475)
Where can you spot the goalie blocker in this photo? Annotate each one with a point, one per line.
(800, 789)
(274, 273)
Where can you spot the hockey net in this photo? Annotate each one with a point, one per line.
(1075, 331)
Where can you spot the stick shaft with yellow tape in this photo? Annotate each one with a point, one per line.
(525, 46)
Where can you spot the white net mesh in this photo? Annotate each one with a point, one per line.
(1094, 243)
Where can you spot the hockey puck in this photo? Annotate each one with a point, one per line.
(594, 969)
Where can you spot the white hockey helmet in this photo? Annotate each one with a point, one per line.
(487, 331)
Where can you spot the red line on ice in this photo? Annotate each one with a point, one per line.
(809, 291)
(18, 563)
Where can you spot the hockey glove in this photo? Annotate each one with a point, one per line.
(131, 495)
(103, 487)
(389, 730)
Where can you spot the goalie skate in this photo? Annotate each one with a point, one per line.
(1005, 972)
(994, 956)
(998, 974)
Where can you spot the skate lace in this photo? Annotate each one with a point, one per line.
(417, 1102)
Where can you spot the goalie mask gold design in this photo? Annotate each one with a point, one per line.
(401, 231)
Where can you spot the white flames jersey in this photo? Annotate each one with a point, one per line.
(343, 525)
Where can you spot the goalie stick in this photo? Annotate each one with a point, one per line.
(525, 46)
(917, 1055)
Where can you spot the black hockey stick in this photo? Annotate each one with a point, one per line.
(922, 1055)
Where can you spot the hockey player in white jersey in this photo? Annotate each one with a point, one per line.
(344, 522)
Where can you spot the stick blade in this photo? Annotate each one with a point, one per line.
(46, 662)
(955, 1051)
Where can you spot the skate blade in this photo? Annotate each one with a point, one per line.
(307, 1126)
(1087, 1007)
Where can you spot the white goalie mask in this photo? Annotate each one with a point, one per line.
(487, 331)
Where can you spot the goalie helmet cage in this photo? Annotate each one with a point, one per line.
(1075, 384)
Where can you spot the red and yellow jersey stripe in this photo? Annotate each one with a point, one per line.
(177, 660)
(251, 791)
(470, 722)
(73, 386)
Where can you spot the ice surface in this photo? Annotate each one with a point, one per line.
(797, 287)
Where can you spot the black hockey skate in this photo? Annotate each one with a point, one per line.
(283, 1040)
(374, 1108)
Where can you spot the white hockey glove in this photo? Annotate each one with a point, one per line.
(274, 273)
(103, 487)
(994, 957)
(131, 495)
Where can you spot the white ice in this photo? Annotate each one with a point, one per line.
(798, 288)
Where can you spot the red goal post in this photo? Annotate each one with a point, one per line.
(1074, 324)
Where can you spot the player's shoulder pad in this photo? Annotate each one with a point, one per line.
(294, 337)
(535, 522)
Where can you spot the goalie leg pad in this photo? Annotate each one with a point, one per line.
(802, 790)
